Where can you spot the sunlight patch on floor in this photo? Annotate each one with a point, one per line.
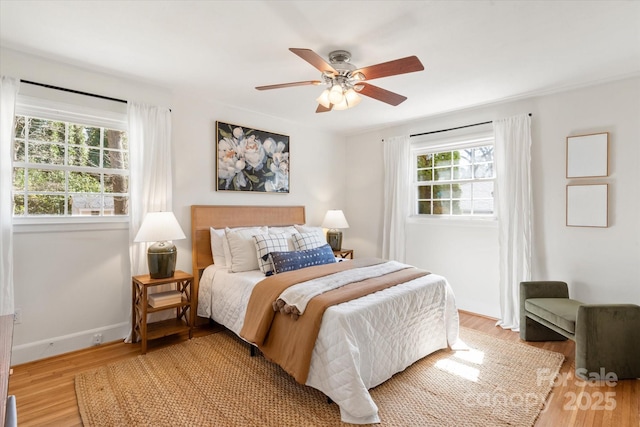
(464, 352)
(472, 356)
(456, 368)
(461, 367)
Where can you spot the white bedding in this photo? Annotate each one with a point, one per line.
(299, 295)
(361, 343)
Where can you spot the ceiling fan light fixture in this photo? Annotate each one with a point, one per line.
(345, 82)
(323, 99)
(335, 94)
(352, 98)
(342, 106)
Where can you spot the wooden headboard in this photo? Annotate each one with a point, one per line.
(203, 217)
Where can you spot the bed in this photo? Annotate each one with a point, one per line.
(360, 343)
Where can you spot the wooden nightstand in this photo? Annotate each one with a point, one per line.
(185, 311)
(344, 253)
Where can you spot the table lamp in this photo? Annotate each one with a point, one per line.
(333, 220)
(160, 227)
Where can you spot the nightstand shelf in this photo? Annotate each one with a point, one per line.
(164, 328)
(185, 311)
(166, 307)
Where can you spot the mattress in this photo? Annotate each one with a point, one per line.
(362, 342)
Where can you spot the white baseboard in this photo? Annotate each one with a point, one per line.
(29, 352)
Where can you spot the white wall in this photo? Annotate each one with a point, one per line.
(72, 281)
(317, 165)
(600, 265)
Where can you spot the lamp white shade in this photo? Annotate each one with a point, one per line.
(335, 219)
(159, 227)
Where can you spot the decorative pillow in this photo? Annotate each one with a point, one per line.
(288, 231)
(304, 241)
(217, 247)
(265, 244)
(311, 229)
(289, 261)
(242, 248)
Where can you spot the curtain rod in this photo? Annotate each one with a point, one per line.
(456, 128)
(73, 91)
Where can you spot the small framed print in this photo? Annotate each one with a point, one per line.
(587, 205)
(587, 155)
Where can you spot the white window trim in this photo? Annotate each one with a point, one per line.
(55, 110)
(467, 140)
(51, 224)
(75, 113)
(461, 220)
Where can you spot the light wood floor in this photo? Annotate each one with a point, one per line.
(46, 396)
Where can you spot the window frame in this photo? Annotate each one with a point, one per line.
(439, 145)
(106, 118)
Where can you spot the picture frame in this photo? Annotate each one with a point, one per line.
(587, 155)
(251, 160)
(587, 205)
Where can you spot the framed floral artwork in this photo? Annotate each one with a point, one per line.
(251, 160)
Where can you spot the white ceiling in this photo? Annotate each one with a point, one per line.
(474, 52)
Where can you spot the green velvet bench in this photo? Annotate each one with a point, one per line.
(607, 336)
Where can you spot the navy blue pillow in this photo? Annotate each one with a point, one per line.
(289, 261)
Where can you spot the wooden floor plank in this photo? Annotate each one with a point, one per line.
(45, 391)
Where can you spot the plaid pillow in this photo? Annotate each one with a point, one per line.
(265, 244)
(304, 241)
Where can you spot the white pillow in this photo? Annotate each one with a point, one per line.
(267, 243)
(217, 247)
(242, 248)
(288, 231)
(227, 251)
(310, 229)
(304, 241)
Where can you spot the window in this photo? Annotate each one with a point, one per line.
(456, 181)
(64, 166)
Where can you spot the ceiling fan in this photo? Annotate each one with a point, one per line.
(344, 81)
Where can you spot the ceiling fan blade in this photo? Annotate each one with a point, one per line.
(314, 59)
(322, 109)
(409, 64)
(278, 86)
(380, 94)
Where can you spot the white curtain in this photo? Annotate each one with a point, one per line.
(8, 92)
(150, 168)
(512, 159)
(150, 183)
(397, 196)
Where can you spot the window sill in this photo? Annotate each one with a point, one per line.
(459, 221)
(52, 224)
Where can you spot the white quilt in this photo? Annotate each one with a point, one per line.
(299, 295)
(361, 343)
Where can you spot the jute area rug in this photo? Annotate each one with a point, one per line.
(213, 381)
